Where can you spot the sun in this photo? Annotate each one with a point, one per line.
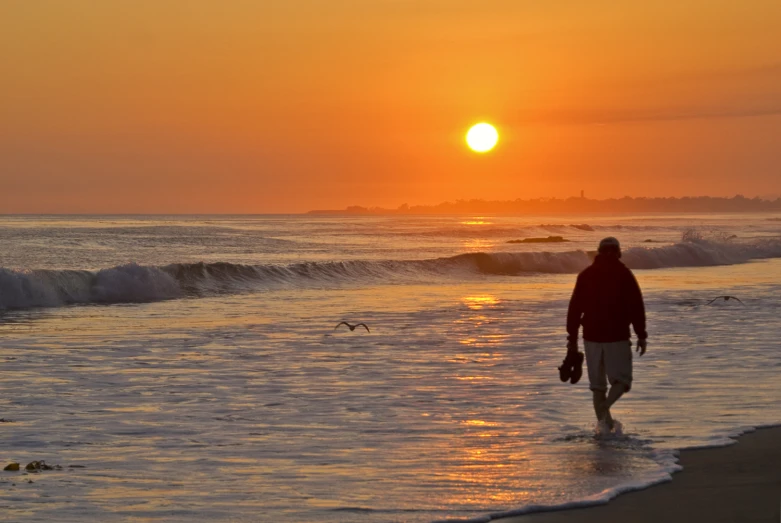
(482, 137)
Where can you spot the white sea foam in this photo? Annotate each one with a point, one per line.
(668, 465)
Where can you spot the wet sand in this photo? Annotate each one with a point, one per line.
(739, 483)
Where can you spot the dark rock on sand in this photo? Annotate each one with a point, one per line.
(35, 466)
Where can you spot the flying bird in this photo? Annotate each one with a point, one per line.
(352, 327)
(725, 298)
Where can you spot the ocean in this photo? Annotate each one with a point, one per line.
(187, 368)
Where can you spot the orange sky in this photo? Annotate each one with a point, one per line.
(285, 106)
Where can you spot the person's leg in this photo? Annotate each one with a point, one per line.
(616, 391)
(599, 397)
(601, 408)
(618, 366)
(597, 377)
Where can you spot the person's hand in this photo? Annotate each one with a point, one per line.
(572, 346)
(641, 346)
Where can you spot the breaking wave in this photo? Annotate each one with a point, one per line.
(133, 283)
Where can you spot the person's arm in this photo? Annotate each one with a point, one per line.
(574, 315)
(636, 308)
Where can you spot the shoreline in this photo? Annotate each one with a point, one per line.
(737, 482)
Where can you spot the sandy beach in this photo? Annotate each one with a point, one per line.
(739, 483)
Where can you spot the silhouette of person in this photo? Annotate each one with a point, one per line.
(606, 300)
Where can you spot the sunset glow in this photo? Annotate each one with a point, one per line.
(264, 107)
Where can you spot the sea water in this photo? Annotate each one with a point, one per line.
(187, 368)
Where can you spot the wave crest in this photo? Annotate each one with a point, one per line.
(134, 283)
(51, 288)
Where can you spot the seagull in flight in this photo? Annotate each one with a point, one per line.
(352, 327)
(725, 298)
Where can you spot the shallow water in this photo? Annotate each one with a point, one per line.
(244, 404)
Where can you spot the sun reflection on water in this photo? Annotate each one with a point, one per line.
(479, 302)
(477, 220)
(480, 423)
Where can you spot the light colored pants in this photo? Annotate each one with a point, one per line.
(609, 362)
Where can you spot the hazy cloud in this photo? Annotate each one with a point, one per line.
(736, 93)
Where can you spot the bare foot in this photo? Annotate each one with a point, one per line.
(608, 419)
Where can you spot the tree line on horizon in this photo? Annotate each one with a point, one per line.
(576, 205)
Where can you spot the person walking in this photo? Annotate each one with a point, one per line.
(606, 300)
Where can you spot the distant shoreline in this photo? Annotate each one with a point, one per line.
(702, 204)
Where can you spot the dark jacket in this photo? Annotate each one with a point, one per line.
(605, 301)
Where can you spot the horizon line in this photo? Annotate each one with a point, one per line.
(428, 208)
